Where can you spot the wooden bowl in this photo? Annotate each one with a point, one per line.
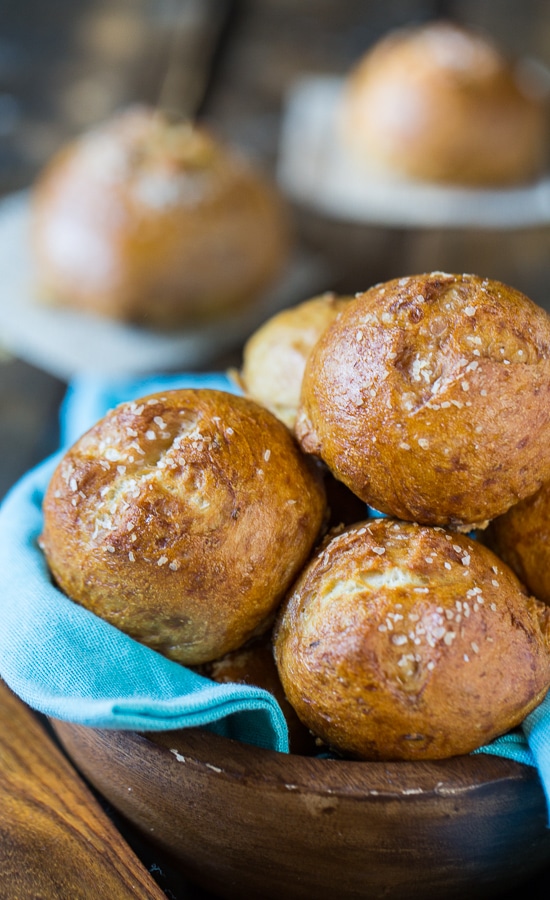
(242, 821)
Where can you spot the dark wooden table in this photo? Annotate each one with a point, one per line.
(64, 66)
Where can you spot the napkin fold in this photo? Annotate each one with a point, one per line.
(64, 661)
(68, 663)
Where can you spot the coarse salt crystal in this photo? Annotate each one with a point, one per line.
(399, 639)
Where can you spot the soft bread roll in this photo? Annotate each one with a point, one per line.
(400, 641)
(182, 518)
(274, 357)
(521, 537)
(156, 222)
(254, 664)
(429, 398)
(441, 103)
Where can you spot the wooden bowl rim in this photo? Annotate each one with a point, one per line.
(211, 755)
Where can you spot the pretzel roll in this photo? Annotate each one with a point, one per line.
(521, 537)
(442, 103)
(157, 222)
(182, 518)
(274, 357)
(430, 396)
(401, 641)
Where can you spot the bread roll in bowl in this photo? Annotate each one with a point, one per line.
(440, 102)
(429, 398)
(401, 641)
(147, 220)
(182, 518)
(274, 357)
(521, 537)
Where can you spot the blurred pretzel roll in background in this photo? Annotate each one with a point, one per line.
(182, 519)
(521, 537)
(440, 102)
(147, 220)
(274, 357)
(400, 641)
(428, 397)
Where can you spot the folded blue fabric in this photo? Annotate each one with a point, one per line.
(88, 398)
(67, 663)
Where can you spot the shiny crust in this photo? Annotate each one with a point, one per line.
(400, 641)
(274, 357)
(154, 222)
(441, 103)
(429, 398)
(182, 519)
(521, 537)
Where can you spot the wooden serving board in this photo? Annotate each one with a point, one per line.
(55, 839)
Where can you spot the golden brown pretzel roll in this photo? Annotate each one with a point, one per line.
(440, 102)
(147, 220)
(401, 641)
(182, 518)
(521, 537)
(274, 357)
(429, 398)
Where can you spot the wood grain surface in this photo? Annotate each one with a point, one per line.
(248, 822)
(55, 840)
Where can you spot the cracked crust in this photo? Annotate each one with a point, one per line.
(182, 518)
(400, 641)
(429, 398)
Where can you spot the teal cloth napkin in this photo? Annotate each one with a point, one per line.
(67, 663)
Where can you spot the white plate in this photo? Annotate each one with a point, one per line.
(316, 169)
(68, 343)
